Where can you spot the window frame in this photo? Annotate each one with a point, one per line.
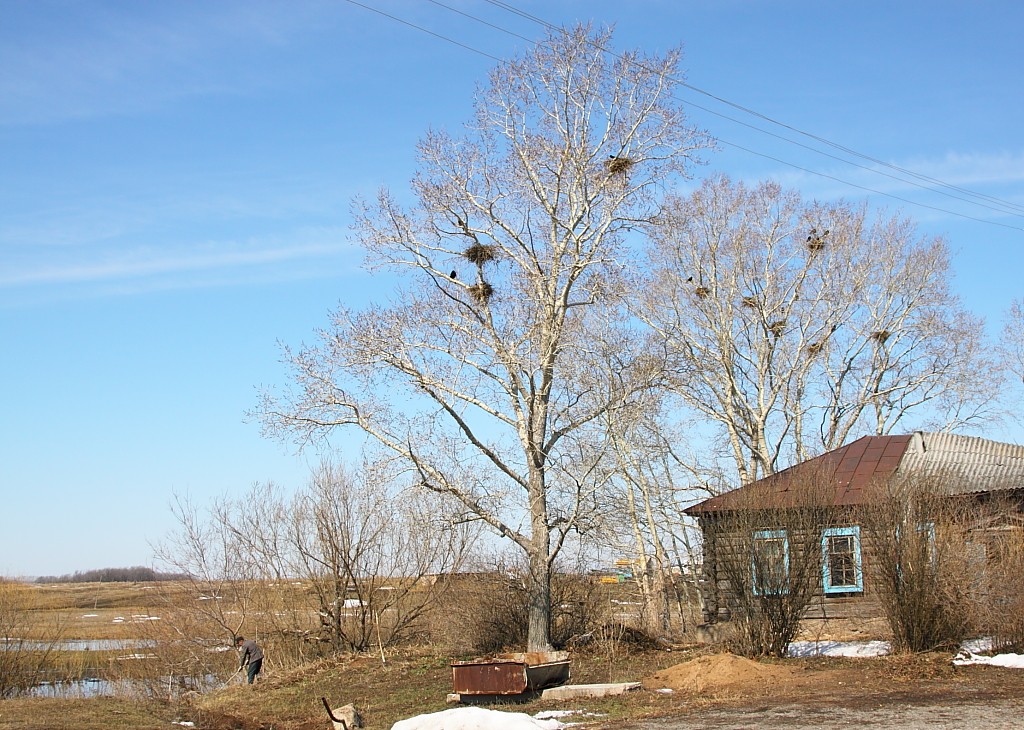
(826, 572)
(767, 536)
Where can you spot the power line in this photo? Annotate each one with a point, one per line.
(425, 30)
(1008, 207)
(933, 181)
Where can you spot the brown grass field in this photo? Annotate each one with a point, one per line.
(417, 678)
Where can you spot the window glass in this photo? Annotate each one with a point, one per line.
(770, 562)
(841, 564)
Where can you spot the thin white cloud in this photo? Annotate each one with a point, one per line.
(65, 62)
(1000, 175)
(140, 263)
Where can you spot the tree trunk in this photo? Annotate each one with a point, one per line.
(538, 637)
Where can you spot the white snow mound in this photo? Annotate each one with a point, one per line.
(476, 718)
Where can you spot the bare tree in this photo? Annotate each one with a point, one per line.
(479, 374)
(653, 483)
(1012, 342)
(218, 577)
(369, 555)
(797, 325)
(347, 562)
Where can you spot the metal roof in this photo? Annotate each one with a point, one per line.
(960, 464)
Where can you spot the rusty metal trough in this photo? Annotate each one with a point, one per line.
(511, 674)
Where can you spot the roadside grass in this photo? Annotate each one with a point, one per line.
(97, 713)
(414, 682)
(418, 679)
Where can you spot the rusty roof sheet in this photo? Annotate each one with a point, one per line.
(960, 464)
(851, 468)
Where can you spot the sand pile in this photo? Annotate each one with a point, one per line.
(718, 674)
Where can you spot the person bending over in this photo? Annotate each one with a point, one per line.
(251, 657)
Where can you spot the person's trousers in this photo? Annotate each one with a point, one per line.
(252, 669)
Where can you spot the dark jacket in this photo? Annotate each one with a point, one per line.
(248, 652)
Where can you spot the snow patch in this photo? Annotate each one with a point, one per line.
(839, 648)
(1012, 661)
(476, 718)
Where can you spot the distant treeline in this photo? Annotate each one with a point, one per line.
(137, 574)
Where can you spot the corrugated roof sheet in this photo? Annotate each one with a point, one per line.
(960, 464)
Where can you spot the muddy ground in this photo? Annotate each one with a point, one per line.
(1004, 713)
(916, 692)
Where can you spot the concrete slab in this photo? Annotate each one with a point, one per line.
(573, 691)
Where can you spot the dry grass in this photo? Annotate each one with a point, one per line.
(104, 713)
(417, 679)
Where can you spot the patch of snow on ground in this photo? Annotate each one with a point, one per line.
(1013, 661)
(839, 648)
(971, 652)
(977, 646)
(476, 718)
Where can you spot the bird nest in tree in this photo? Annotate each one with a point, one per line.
(482, 291)
(618, 165)
(750, 302)
(702, 292)
(480, 254)
(816, 241)
(881, 336)
(777, 328)
(815, 347)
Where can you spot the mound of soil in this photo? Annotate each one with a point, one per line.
(720, 674)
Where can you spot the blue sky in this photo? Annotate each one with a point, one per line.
(175, 181)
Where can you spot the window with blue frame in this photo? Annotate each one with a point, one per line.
(841, 562)
(770, 562)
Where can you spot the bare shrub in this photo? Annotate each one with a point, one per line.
(347, 563)
(27, 649)
(487, 612)
(768, 551)
(995, 551)
(921, 565)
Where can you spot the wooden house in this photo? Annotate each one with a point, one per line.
(849, 480)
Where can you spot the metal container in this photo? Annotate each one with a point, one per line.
(511, 674)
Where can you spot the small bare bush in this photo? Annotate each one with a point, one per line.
(28, 650)
(487, 612)
(995, 550)
(921, 567)
(768, 552)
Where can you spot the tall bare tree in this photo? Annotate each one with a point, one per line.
(797, 325)
(653, 481)
(1012, 344)
(478, 375)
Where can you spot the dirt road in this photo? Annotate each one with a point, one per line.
(1001, 713)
